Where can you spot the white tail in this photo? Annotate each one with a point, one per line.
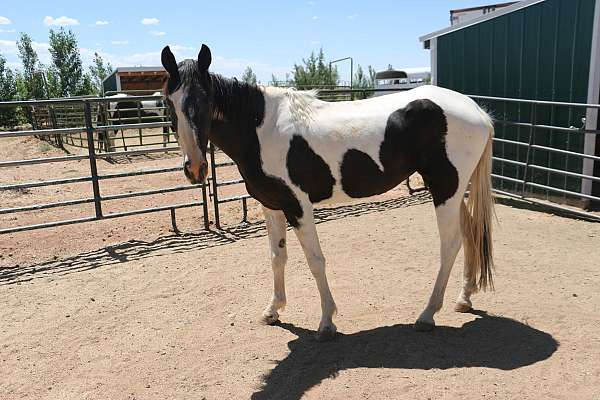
(476, 222)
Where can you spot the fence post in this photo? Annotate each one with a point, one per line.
(139, 113)
(205, 207)
(531, 140)
(92, 157)
(213, 168)
(244, 210)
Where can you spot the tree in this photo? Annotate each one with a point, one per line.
(99, 71)
(314, 73)
(52, 82)
(249, 76)
(364, 81)
(275, 81)
(67, 62)
(8, 92)
(32, 80)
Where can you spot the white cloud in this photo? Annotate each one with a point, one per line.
(4, 20)
(150, 21)
(102, 23)
(311, 3)
(157, 33)
(315, 42)
(314, 18)
(60, 21)
(8, 46)
(7, 30)
(353, 16)
(119, 42)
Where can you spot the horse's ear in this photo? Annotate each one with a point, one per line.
(168, 61)
(204, 58)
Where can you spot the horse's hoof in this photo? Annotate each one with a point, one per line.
(325, 335)
(463, 307)
(269, 318)
(422, 326)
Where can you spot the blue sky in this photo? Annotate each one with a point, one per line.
(268, 35)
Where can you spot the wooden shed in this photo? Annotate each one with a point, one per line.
(125, 79)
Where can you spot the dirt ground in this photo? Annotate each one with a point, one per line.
(127, 309)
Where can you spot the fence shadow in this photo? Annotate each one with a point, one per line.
(488, 341)
(542, 208)
(184, 242)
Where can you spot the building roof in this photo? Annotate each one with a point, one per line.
(139, 69)
(498, 13)
(133, 70)
(482, 7)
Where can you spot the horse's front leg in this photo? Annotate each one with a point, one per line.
(307, 235)
(276, 227)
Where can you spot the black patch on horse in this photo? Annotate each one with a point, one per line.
(308, 171)
(415, 140)
(238, 109)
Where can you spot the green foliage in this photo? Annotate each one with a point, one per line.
(52, 82)
(99, 71)
(31, 85)
(364, 81)
(314, 73)
(8, 92)
(87, 86)
(67, 62)
(249, 76)
(275, 81)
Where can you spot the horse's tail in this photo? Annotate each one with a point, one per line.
(476, 220)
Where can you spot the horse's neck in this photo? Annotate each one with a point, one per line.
(235, 133)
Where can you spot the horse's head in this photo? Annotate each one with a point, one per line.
(189, 95)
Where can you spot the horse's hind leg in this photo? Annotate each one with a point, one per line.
(448, 220)
(463, 303)
(276, 228)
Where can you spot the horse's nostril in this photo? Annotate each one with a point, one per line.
(187, 164)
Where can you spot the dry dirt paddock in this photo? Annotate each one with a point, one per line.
(175, 316)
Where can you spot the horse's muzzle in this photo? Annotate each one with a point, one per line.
(195, 175)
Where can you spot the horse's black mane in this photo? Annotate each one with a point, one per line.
(238, 102)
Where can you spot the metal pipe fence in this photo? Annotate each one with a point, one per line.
(516, 172)
(94, 178)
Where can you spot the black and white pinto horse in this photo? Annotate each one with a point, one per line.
(295, 151)
(123, 110)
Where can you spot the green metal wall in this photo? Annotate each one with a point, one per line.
(539, 52)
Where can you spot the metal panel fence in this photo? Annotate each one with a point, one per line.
(91, 133)
(521, 166)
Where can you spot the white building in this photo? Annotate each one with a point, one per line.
(467, 14)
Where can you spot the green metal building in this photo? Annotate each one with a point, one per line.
(534, 49)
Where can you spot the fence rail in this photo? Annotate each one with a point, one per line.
(88, 131)
(524, 186)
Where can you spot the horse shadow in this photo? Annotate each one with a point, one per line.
(488, 341)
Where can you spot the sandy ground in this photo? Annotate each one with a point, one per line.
(41, 245)
(172, 316)
(129, 309)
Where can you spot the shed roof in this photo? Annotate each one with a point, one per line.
(498, 13)
(119, 71)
